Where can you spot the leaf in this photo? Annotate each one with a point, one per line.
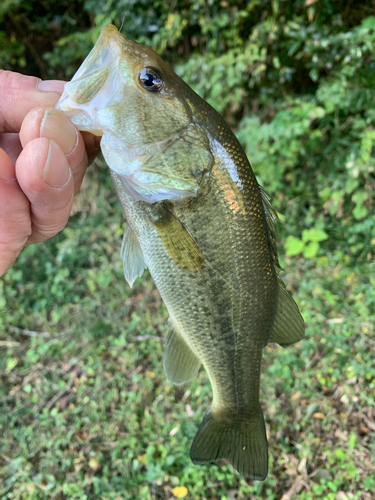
(319, 416)
(340, 454)
(311, 249)
(352, 440)
(368, 23)
(359, 197)
(314, 235)
(293, 246)
(11, 363)
(315, 113)
(314, 74)
(360, 212)
(332, 486)
(180, 491)
(93, 464)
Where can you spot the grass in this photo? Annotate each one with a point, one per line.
(86, 410)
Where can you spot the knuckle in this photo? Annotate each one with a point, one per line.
(46, 231)
(6, 78)
(12, 80)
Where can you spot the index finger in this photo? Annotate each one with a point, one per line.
(19, 94)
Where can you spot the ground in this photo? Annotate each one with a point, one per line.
(86, 410)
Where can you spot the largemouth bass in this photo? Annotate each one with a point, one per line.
(199, 221)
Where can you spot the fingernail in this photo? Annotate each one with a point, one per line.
(7, 170)
(56, 171)
(59, 128)
(51, 86)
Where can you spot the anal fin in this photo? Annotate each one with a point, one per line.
(288, 326)
(132, 256)
(180, 363)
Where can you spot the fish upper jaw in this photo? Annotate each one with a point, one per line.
(96, 85)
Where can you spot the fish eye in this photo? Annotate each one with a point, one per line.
(150, 80)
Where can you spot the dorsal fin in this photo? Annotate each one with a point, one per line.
(271, 216)
(288, 326)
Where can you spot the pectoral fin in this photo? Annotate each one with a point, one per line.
(132, 257)
(180, 363)
(178, 242)
(288, 326)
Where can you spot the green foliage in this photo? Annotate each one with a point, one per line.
(86, 411)
(309, 244)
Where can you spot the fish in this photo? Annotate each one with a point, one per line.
(200, 222)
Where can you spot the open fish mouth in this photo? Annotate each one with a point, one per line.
(97, 83)
(107, 48)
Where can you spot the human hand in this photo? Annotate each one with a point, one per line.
(43, 158)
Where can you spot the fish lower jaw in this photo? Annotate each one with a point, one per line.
(79, 117)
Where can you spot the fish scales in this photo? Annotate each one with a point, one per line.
(199, 221)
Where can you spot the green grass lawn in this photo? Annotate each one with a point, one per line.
(86, 410)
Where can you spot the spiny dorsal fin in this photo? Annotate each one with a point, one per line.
(288, 326)
(271, 216)
(180, 363)
(132, 256)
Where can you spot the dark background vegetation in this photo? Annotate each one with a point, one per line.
(85, 409)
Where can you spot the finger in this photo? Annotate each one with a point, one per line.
(53, 125)
(15, 225)
(19, 94)
(10, 143)
(92, 145)
(45, 177)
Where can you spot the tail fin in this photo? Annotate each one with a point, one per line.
(241, 439)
